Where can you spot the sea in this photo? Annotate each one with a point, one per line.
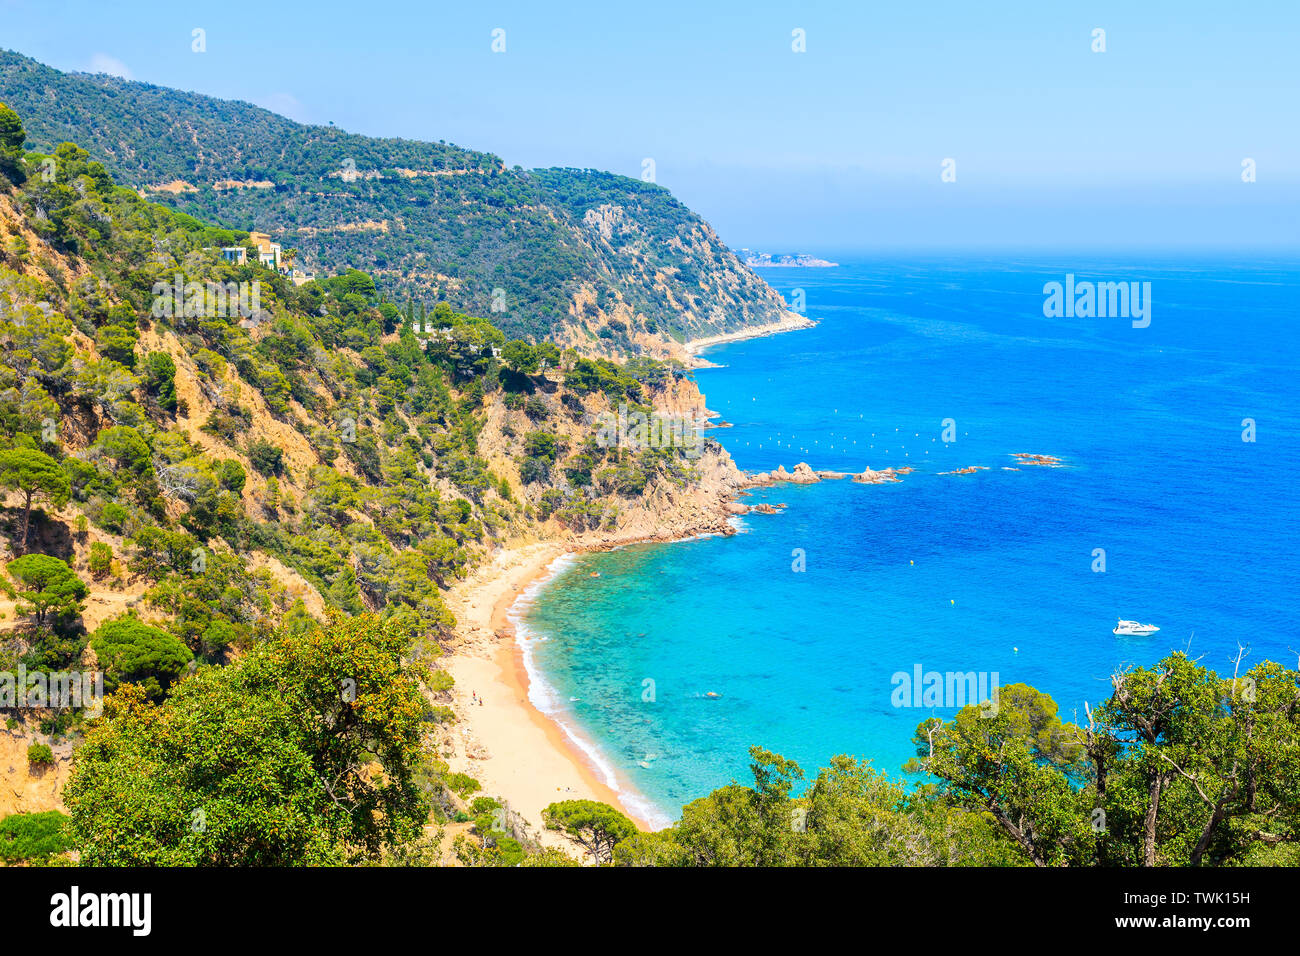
(1174, 504)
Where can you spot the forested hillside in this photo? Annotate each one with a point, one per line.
(607, 264)
(241, 500)
(211, 471)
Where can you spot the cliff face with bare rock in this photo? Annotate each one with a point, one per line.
(25, 788)
(668, 511)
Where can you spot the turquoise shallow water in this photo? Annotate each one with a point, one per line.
(990, 572)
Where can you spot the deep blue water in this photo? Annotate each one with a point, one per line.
(987, 572)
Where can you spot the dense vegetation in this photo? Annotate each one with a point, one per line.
(34, 838)
(426, 219)
(265, 763)
(199, 466)
(211, 472)
(1180, 767)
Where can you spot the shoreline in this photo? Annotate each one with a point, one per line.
(516, 751)
(528, 757)
(792, 323)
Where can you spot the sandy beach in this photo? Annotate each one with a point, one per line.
(514, 750)
(790, 323)
(505, 743)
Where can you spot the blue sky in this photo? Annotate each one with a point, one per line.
(839, 147)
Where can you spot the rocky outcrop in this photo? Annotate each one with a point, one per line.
(869, 477)
(668, 511)
(1042, 461)
(804, 474)
(735, 507)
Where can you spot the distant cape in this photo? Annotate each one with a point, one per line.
(768, 260)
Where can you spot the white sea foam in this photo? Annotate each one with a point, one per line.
(549, 701)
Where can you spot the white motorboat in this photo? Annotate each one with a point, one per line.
(1134, 629)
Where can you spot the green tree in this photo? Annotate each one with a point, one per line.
(743, 826)
(303, 752)
(101, 559)
(232, 476)
(1214, 762)
(160, 379)
(131, 651)
(49, 589)
(126, 448)
(852, 815)
(12, 136)
(549, 857)
(651, 849)
(1021, 765)
(36, 476)
(266, 457)
(855, 816)
(117, 342)
(548, 354)
(520, 357)
(1179, 767)
(598, 827)
(539, 454)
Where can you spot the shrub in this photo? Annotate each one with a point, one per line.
(267, 458)
(34, 837)
(462, 784)
(113, 517)
(439, 714)
(101, 559)
(40, 755)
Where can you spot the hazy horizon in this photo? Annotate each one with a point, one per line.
(840, 147)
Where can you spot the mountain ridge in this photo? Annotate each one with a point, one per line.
(606, 264)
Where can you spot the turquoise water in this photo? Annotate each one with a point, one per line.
(988, 572)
